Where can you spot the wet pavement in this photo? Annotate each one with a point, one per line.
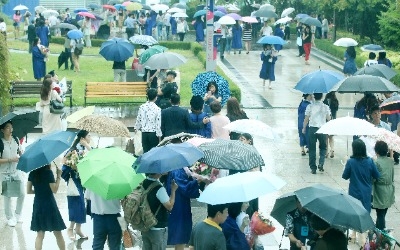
(277, 107)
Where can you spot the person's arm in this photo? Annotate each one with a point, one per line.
(158, 125)
(138, 124)
(294, 240)
(8, 160)
(195, 125)
(55, 185)
(170, 204)
(347, 171)
(56, 96)
(29, 189)
(305, 123)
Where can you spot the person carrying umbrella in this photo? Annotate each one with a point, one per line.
(268, 57)
(119, 71)
(31, 34)
(9, 156)
(330, 238)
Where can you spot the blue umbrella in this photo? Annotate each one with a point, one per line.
(94, 6)
(219, 13)
(75, 34)
(320, 81)
(167, 158)
(97, 17)
(116, 49)
(300, 16)
(119, 6)
(271, 40)
(372, 48)
(199, 85)
(80, 10)
(199, 13)
(44, 150)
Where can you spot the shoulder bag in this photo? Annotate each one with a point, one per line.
(56, 107)
(11, 187)
(72, 190)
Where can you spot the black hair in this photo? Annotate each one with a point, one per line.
(381, 148)
(318, 224)
(35, 41)
(234, 209)
(215, 107)
(351, 51)
(81, 134)
(318, 96)
(215, 85)
(151, 94)
(171, 72)
(382, 55)
(196, 103)
(371, 56)
(46, 88)
(2, 126)
(52, 73)
(175, 99)
(359, 149)
(373, 109)
(212, 210)
(248, 137)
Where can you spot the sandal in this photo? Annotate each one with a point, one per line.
(81, 235)
(303, 153)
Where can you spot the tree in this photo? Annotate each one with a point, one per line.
(4, 76)
(389, 23)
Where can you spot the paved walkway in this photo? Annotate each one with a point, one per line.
(276, 107)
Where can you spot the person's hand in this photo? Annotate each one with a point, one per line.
(83, 142)
(58, 172)
(14, 159)
(299, 244)
(206, 120)
(174, 186)
(246, 221)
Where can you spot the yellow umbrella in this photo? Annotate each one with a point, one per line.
(77, 115)
(134, 6)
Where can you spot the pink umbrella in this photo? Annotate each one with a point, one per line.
(109, 7)
(235, 16)
(126, 3)
(197, 141)
(87, 14)
(249, 19)
(392, 139)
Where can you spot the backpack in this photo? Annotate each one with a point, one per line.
(78, 48)
(2, 145)
(137, 210)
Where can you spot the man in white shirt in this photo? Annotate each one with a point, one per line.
(317, 114)
(149, 121)
(3, 27)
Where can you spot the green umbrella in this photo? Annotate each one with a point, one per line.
(150, 52)
(108, 172)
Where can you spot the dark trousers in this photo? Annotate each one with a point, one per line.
(380, 218)
(301, 50)
(222, 45)
(167, 28)
(149, 141)
(181, 36)
(105, 227)
(313, 137)
(30, 46)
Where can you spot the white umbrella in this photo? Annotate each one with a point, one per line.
(20, 7)
(175, 10)
(253, 127)
(232, 8)
(179, 14)
(227, 20)
(283, 20)
(48, 13)
(166, 60)
(240, 187)
(267, 6)
(348, 126)
(40, 9)
(346, 42)
(159, 7)
(287, 12)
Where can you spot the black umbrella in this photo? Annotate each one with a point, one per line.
(66, 26)
(365, 83)
(377, 70)
(62, 58)
(23, 122)
(227, 154)
(283, 205)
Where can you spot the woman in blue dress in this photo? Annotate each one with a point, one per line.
(237, 38)
(268, 57)
(278, 32)
(301, 114)
(45, 213)
(43, 32)
(199, 28)
(349, 67)
(172, 20)
(148, 25)
(76, 204)
(180, 219)
(38, 60)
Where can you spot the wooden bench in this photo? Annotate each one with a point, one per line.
(31, 89)
(115, 90)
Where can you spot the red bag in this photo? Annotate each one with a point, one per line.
(260, 225)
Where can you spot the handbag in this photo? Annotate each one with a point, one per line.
(11, 187)
(56, 107)
(72, 190)
(299, 41)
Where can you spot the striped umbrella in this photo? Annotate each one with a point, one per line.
(229, 154)
(143, 40)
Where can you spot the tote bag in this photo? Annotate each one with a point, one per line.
(72, 190)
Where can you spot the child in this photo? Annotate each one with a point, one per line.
(211, 96)
(268, 57)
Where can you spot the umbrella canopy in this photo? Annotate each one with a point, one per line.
(197, 141)
(103, 125)
(146, 7)
(390, 105)
(180, 6)
(48, 13)
(77, 10)
(221, 9)
(66, 26)
(319, 81)
(335, 207)
(240, 187)
(143, 40)
(199, 13)
(87, 14)
(365, 83)
(219, 13)
(179, 14)
(134, 6)
(94, 6)
(253, 127)
(348, 126)
(159, 7)
(117, 49)
(229, 154)
(75, 34)
(40, 9)
(166, 60)
(167, 158)
(372, 48)
(199, 85)
(20, 7)
(392, 139)
(108, 172)
(175, 10)
(255, 5)
(77, 115)
(232, 8)
(265, 12)
(345, 42)
(109, 7)
(271, 40)
(227, 20)
(44, 150)
(300, 16)
(177, 138)
(283, 20)
(249, 19)
(287, 12)
(119, 6)
(156, 49)
(22, 122)
(97, 17)
(283, 205)
(310, 21)
(235, 16)
(377, 70)
(267, 6)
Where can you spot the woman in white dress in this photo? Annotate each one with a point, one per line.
(50, 122)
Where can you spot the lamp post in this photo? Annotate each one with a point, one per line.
(211, 52)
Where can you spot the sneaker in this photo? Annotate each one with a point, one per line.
(313, 171)
(321, 168)
(12, 222)
(18, 218)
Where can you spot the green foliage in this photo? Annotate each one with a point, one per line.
(4, 75)
(389, 23)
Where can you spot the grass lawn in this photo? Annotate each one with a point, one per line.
(93, 68)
